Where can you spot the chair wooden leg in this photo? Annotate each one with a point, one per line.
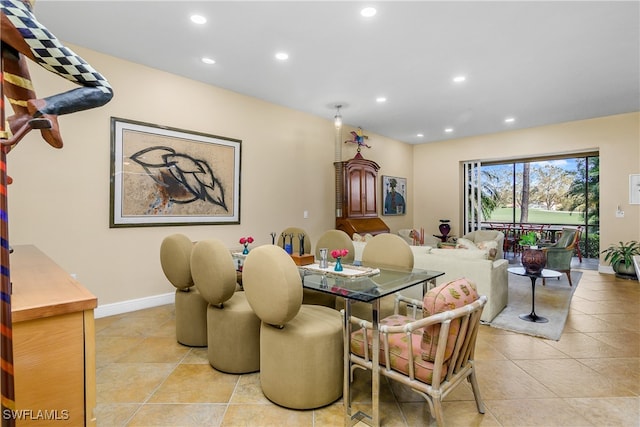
(439, 415)
(476, 391)
(568, 273)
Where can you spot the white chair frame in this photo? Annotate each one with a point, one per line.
(459, 366)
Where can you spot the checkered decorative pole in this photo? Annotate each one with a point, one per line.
(6, 329)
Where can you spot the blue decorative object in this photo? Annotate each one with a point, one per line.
(338, 266)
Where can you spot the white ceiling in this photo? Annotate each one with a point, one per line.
(540, 62)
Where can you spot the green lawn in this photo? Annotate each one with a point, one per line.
(538, 216)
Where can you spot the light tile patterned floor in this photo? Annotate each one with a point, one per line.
(591, 377)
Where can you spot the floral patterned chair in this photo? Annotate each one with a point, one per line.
(431, 355)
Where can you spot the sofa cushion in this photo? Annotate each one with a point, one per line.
(460, 253)
(448, 296)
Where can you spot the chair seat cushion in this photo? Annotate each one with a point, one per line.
(398, 349)
(447, 296)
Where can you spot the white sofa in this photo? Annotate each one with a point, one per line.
(489, 276)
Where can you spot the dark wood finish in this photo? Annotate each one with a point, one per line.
(357, 198)
(360, 195)
(362, 226)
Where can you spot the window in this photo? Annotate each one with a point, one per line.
(554, 191)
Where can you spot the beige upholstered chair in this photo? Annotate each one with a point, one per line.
(431, 355)
(383, 250)
(233, 329)
(301, 351)
(296, 241)
(331, 239)
(336, 239)
(478, 236)
(190, 307)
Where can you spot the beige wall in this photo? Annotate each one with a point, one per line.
(59, 200)
(437, 168)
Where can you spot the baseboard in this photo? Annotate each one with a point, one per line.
(606, 269)
(133, 305)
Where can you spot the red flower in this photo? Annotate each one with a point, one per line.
(246, 240)
(338, 253)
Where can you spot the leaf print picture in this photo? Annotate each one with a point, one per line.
(167, 176)
(180, 177)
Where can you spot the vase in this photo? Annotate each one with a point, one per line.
(338, 266)
(245, 251)
(444, 228)
(533, 260)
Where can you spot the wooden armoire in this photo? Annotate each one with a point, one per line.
(357, 197)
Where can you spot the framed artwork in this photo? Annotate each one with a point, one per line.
(162, 176)
(394, 195)
(634, 189)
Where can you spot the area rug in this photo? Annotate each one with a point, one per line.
(552, 302)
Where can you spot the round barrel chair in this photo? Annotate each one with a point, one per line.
(190, 307)
(233, 329)
(382, 250)
(330, 239)
(301, 351)
(296, 231)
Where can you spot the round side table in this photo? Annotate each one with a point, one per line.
(544, 274)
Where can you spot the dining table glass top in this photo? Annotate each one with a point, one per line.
(382, 282)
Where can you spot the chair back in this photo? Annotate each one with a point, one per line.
(175, 255)
(568, 238)
(272, 284)
(387, 250)
(213, 271)
(464, 343)
(296, 231)
(336, 239)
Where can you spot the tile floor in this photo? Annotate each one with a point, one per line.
(591, 377)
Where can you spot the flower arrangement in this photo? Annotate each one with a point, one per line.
(338, 254)
(245, 242)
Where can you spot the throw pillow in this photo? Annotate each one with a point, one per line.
(448, 296)
(491, 246)
(466, 244)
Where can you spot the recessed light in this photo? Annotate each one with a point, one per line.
(208, 60)
(381, 99)
(448, 130)
(509, 120)
(420, 135)
(459, 79)
(368, 12)
(198, 19)
(282, 56)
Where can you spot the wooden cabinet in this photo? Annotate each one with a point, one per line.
(53, 343)
(360, 188)
(357, 197)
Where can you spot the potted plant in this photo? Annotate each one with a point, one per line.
(529, 239)
(533, 259)
(620, 256)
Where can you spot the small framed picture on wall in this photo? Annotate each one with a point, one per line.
(394, 195)
(634, 189)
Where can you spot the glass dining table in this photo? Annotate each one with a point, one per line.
(367, 286)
